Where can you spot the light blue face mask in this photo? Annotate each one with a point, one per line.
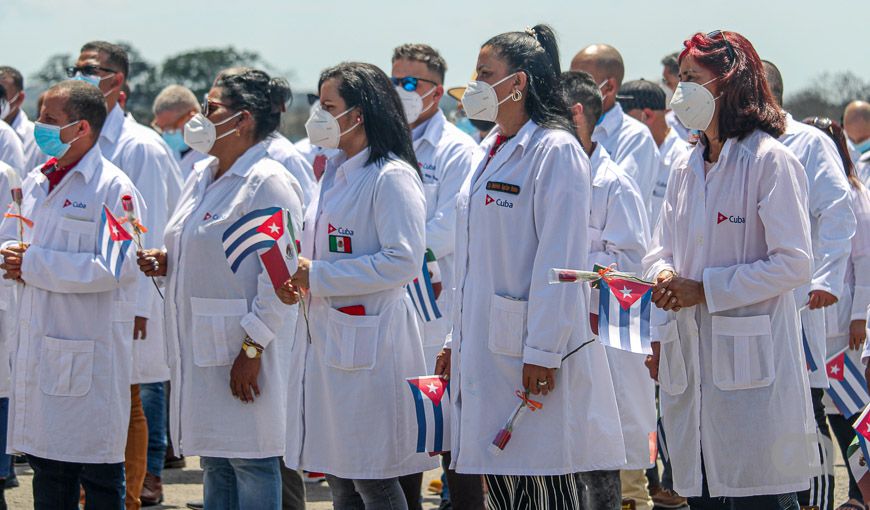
(47, 137)
(175, 140)
(464, 124)
(92, 79)
(863, 146)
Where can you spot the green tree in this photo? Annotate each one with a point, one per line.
(197, 69)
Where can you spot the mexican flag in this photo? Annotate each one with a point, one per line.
(340, 244)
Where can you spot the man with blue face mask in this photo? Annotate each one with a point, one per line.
(149, 162)
(173, 107)
(72, 347)
(856, 121)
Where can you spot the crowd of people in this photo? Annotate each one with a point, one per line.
(753, 226)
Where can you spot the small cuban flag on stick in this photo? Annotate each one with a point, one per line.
(859, 455)
(432, 403)
(848, 385)
(424, 290)
(263, 231)
(113, 242)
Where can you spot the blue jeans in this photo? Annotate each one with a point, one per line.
(383, 494)
(5, 460)
(56, 485)
(241, 484)
(154, 403)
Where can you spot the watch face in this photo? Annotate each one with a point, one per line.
(251, 351)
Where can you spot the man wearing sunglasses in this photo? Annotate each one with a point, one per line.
(832, 225)
(147, 160)
(444, 154)
(13, 83)
(628, 141)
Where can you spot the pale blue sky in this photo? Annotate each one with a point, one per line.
(803, 37)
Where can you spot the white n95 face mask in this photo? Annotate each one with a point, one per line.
(693, 104)
(323, 129)
(480, 101)
(200, 133)
(412, 103)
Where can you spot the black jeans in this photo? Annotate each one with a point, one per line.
(56, 485)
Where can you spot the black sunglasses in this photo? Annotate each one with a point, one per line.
(312, 98)
(409, 83)
(207, 104)
(730, 49)
(88, 70)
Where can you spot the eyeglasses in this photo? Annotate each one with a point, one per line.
(312, 98)
(208, 103)
(731, 54)
(87, 70)
(410, 83)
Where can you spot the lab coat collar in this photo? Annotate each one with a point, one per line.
(612, 121)
(790, 127)
(114, 124)
(696, 160)
(599, 160)
(20, 119)
(518, 143)
(434, 130)
(351, 169)
(244, 163)
(87, 167)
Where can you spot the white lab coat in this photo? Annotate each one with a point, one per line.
(631, 146)
(71, 368)
(358, 419)
(507, 314)
(33, 156)
(832, 225)
(855, 300)
(308, 151)
(444, 155)
(282, 150)
(11, 149)
(862, 168)
(671, 149)
(682, 131)
(186, 162)
(209, 309)
(150, 163)
(732, 372)
(8, 304)
(619, 233)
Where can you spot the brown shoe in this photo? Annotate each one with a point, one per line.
(174, 462)
(666, 499)
(152, 490)
(629, 504)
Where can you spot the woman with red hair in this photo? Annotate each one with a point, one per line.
(732, 243)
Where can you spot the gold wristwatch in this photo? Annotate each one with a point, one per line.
(251, 348)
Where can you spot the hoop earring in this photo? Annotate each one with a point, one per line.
(516, 95)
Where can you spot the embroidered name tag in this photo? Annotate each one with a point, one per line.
(504, 187)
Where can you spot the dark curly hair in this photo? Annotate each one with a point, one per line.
(258, 93)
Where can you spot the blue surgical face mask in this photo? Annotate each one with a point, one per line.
(47, 137)
(92, 79)
(464, 124)
(175, 140)
(863, 146)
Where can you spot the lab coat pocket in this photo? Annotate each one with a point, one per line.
(217, 330)
(79, 235)
(672, 365)
(66, 367)
(742, 352)
(507, 325)
(352, 340)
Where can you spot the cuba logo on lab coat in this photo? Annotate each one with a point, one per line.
(73, 203)
(339, 239)
(499, 202)
(732, 219)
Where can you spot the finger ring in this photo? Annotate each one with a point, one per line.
(670, 292)
(543, 382)
(674, 299)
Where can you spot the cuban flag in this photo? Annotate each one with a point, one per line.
(432, 402)
(624, 313)
(268, 232)
(812, 366)
(858, 454)
(848, 386)
(113, 242)
(425, 288)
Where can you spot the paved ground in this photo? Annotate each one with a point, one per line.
(181, 486)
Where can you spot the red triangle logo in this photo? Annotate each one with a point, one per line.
(330, 229)
(722, 218)
(836, 366)
(67, 203)
(489, 200)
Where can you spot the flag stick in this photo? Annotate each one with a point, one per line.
(138, 229)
